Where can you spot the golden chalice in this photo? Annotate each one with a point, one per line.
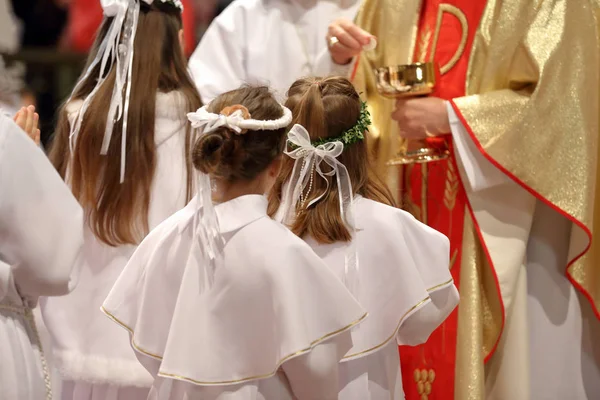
(412, 80)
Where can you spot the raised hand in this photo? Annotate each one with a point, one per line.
(28, 120)
(346, 40)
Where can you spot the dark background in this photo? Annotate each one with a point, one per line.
(54, 59)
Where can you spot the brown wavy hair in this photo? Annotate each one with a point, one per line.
(117, 213)
(233, 157)
(327, 108)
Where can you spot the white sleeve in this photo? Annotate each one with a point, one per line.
(218, 63)
(325, 66)
(417, 328)
(480, 173)
(41, 223)
(315, 375)
(5, 279)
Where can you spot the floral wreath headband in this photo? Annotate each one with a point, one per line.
(352, 135)
(115, 51)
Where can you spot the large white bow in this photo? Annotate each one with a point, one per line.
(308, 162)
(209, 122)
(112, 7)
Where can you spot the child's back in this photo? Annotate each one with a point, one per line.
(252, 314)
(143, 176)
(405, 286)
(397, 268)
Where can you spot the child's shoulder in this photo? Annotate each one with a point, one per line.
(371, 212)
(266, 233)
(382, 220)
(180, 220)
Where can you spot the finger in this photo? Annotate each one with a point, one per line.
(360, 35)
(37, 136)
(21, 119)
(340, 50)
(36, 121)
(345, 38)
(29, 122)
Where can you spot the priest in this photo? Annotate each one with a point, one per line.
(517, 104)
(269, 42)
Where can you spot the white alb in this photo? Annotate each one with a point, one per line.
(41, 236)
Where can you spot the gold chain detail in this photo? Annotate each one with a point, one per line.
(452, 184)
(424, 43)
(453, 258)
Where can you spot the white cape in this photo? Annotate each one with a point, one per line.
(405, 286)
(272, 299)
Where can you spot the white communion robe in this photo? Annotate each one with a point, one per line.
(91, 353)
(272, 326)
(550, 346)
(41, 237)
(267, 42)
(404, 284)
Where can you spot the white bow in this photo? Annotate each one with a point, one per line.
(308, 160)
(209, 122)
(113, 7)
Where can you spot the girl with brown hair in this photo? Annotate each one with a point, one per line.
(396, 267)
(122, 144)
(246, 310)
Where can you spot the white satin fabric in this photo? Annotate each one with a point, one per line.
(274, 319)
(89, 349)
(547, 350)
(41, 236)
(404, 284)
(267, 42)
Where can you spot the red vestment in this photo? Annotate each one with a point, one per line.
(436, 192)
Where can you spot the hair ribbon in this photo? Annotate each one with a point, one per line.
(308, 162)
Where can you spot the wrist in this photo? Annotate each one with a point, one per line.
(340, 60)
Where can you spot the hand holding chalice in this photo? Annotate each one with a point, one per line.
(406, 82)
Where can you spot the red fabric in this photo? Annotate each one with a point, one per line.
(85, 17)
(428, 370)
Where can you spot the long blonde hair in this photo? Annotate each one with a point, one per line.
(117, 213)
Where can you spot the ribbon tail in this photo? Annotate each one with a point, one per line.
(135, 15)
(346, 200)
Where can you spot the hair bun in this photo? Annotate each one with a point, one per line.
(227, 111)
(208, 152)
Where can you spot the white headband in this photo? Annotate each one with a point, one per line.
(308, 162)
(209, 122)
(115, 49)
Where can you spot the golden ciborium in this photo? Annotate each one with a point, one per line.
(412, 80)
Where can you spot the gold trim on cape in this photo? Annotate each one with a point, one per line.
(418, 305)
(231, 382)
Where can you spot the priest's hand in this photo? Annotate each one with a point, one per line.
(345, 40)
(422, 117)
